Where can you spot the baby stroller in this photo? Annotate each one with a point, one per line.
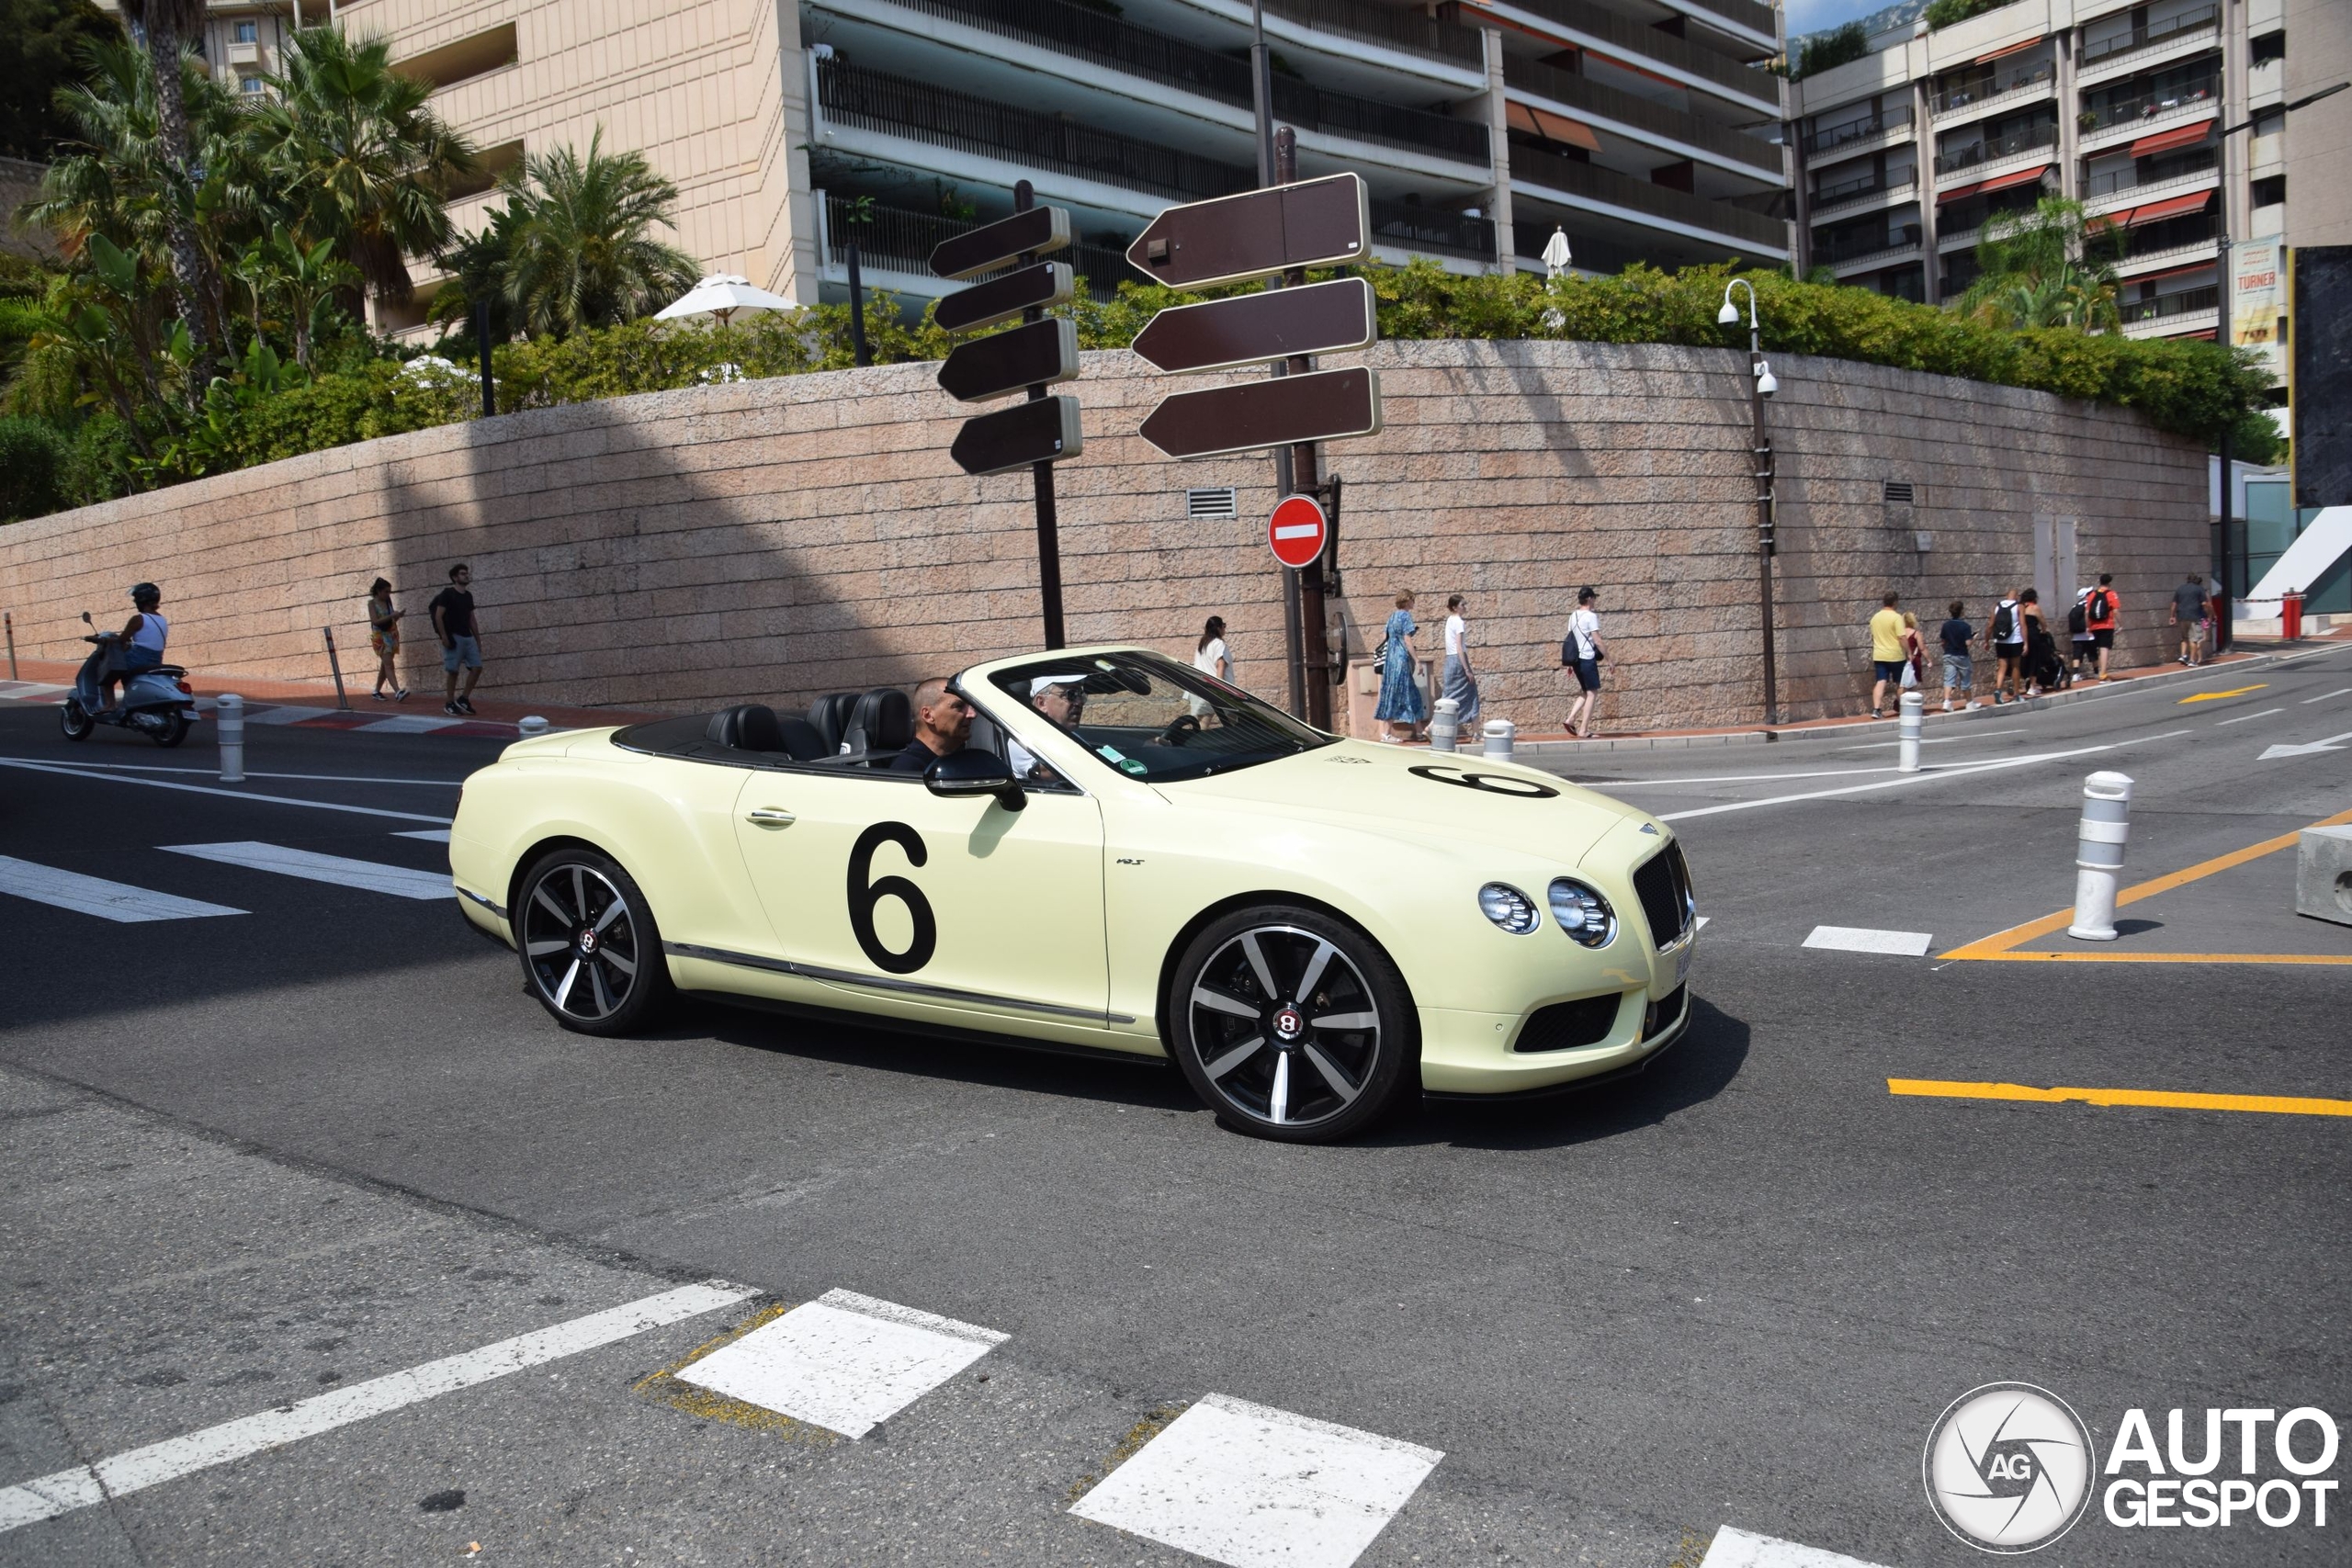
(2044, 667)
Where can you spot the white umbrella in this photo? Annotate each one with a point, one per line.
(1555, 253)
(722, 295)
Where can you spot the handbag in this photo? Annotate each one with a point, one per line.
(1380, 654)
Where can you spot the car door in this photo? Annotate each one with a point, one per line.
(944, 909)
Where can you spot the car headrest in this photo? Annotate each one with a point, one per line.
(884, 720)
(801, 742)
(749, 727)
(830, 716)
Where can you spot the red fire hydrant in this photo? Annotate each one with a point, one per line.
(2291, 616)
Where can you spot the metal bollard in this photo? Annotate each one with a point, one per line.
(2098, 855)
(1445, 726)
(1499, 733)
(9, 620)
(231, 713)
(1906, 753)
(335, 664)
(533, 724)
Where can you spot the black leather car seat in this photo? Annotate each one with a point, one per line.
(830, 716)
(881, 725)
(801, 742)
(749, 727)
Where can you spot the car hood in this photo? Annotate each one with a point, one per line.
(1423, 795)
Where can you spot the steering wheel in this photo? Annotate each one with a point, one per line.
(1183, 725)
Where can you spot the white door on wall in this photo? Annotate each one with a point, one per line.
(2054, 568)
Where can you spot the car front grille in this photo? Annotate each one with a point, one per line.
(1564, 1026)
(1663, 884)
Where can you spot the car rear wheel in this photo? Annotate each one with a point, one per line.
(1292, 1025)
(591, 952)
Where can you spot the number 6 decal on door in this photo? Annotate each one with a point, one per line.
(864, 894)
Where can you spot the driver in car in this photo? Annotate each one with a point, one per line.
(1060, 697)
(943, 723)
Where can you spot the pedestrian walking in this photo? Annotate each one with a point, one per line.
(384, 637)
(1886, 652)
(1960, 671)
(1914, 655)
(2192, 612)
(2042, 672)
(1582, 651)
(1213, 658)
(2103, 606)
(1401, 702)
(2005, 639)
(1461, 681)
(453, 622)
(2082, 652)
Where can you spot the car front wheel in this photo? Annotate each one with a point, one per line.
(591, 952)
(1292, 1025)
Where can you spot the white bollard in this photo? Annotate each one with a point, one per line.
(1907, 752)
(1445, 726)
(533, 724)
(230, 711)
(2098, 855)
(1498, 735)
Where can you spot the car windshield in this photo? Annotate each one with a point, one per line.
(1151, 719)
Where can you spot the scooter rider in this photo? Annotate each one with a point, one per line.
(144, 637)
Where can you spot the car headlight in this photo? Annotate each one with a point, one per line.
(1509, 907)
(1583, 913)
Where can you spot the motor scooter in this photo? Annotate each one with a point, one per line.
(157, 703)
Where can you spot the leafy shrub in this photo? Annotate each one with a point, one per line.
(32, 469)
(1837, 47)
(1944, 13)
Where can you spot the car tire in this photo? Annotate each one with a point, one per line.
(591, 951)
(1292, 1025)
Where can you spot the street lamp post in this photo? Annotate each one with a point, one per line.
(1762, 385)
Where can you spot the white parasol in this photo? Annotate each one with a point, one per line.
(722, 295)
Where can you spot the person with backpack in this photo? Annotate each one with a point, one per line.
(2005, 639)
(2102, 606)
(1582, 651)
(2080, 650)
(2042, 673)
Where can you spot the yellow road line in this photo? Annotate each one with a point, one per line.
(2217, 696)
(2167, 1099)
(1999, 943)
(2089, 957)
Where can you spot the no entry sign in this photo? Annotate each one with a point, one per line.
(1298, 531)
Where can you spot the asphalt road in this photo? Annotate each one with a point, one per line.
(251, 1157)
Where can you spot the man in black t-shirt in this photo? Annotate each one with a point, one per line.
(453, 622)
(942, 725)
(2190, 609)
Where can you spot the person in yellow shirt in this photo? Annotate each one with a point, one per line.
(1886, 652)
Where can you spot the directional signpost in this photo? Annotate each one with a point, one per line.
(1284, 228)
(1040, 353)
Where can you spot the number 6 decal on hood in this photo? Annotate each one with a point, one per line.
(864, 894)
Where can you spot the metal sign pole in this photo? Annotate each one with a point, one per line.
(858, 353)
(1049, 548)
(1312, 650)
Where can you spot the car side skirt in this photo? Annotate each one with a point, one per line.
(890, 982)
(811, 1012)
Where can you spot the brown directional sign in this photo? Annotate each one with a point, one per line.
(1324, 318)
(1321, 222)
(1033, 232)
(1037, 354)
(1001, 299)
(1324, 406)
(1042, 430)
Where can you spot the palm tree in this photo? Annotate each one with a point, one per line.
(2048, 267)
(581, 254)
(164, 27)
(357, 158)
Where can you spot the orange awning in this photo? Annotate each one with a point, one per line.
(2157, 211)
(2179, 136)
(1549, 125)
(2015, 178)
(2173, 271)
(1957, 191)
(2003, 53)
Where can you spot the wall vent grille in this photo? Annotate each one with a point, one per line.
(1217, 503)
(1898, 492)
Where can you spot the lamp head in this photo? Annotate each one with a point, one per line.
(1766, 382)
(1729, 315)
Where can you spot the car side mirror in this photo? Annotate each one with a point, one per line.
(971, 771)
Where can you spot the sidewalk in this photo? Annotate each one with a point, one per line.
(307, 706)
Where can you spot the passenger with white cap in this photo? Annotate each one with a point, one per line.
(1060, 697)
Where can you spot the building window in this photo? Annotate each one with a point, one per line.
(2269, 47)
(252, 85)
(248, 32)
(2270, 192)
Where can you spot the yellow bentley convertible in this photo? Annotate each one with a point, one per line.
(1100, 848)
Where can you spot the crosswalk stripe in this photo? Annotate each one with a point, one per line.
(1254, 1487)
(1738, 1549)
(845, 1362)
(285, 715)
(399, 880)
(26, 691)
(96, 896)
(409, 724)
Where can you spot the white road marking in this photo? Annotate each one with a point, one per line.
(2326, 743)
(1252, 1487)
(1932, 775)
(1737, 1549)
(214, 773)
(1937, 739)
(50, 1495)
(65, 770)
(397, 880)
(1860, 938)
(2339, 692)
(96, 896)
(270, 715)
(1702, 919)
(29, 691)
(430, 835)
(2240, 718)
(1730, 778)
(410, 723)
(845, 1362)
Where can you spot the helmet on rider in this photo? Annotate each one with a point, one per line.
(142, 595)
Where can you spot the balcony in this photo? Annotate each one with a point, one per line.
(2170, 306)
(1832, 139)
(1105, 41)
(1433, 229)
(2145, 112)
(1856, 195)
(1982, 97)
(1869, 251)
(1628, 42)
(1583, 183)
(893, 106)
(890, 239)
(1993, 150)
(1756, 18)
(1642, 116)
(1391, 27)
(2123, 50)
(2124, 187)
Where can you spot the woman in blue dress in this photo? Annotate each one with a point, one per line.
(1401, 702)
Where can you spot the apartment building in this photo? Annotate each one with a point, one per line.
(1907, 153)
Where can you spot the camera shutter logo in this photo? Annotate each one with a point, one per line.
(2009, 1468)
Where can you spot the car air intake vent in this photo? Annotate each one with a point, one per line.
(1665, 1011)
(1564, 1026)
(1663, 884)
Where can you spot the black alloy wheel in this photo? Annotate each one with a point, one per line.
(591, 952)
(1292, 1025)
